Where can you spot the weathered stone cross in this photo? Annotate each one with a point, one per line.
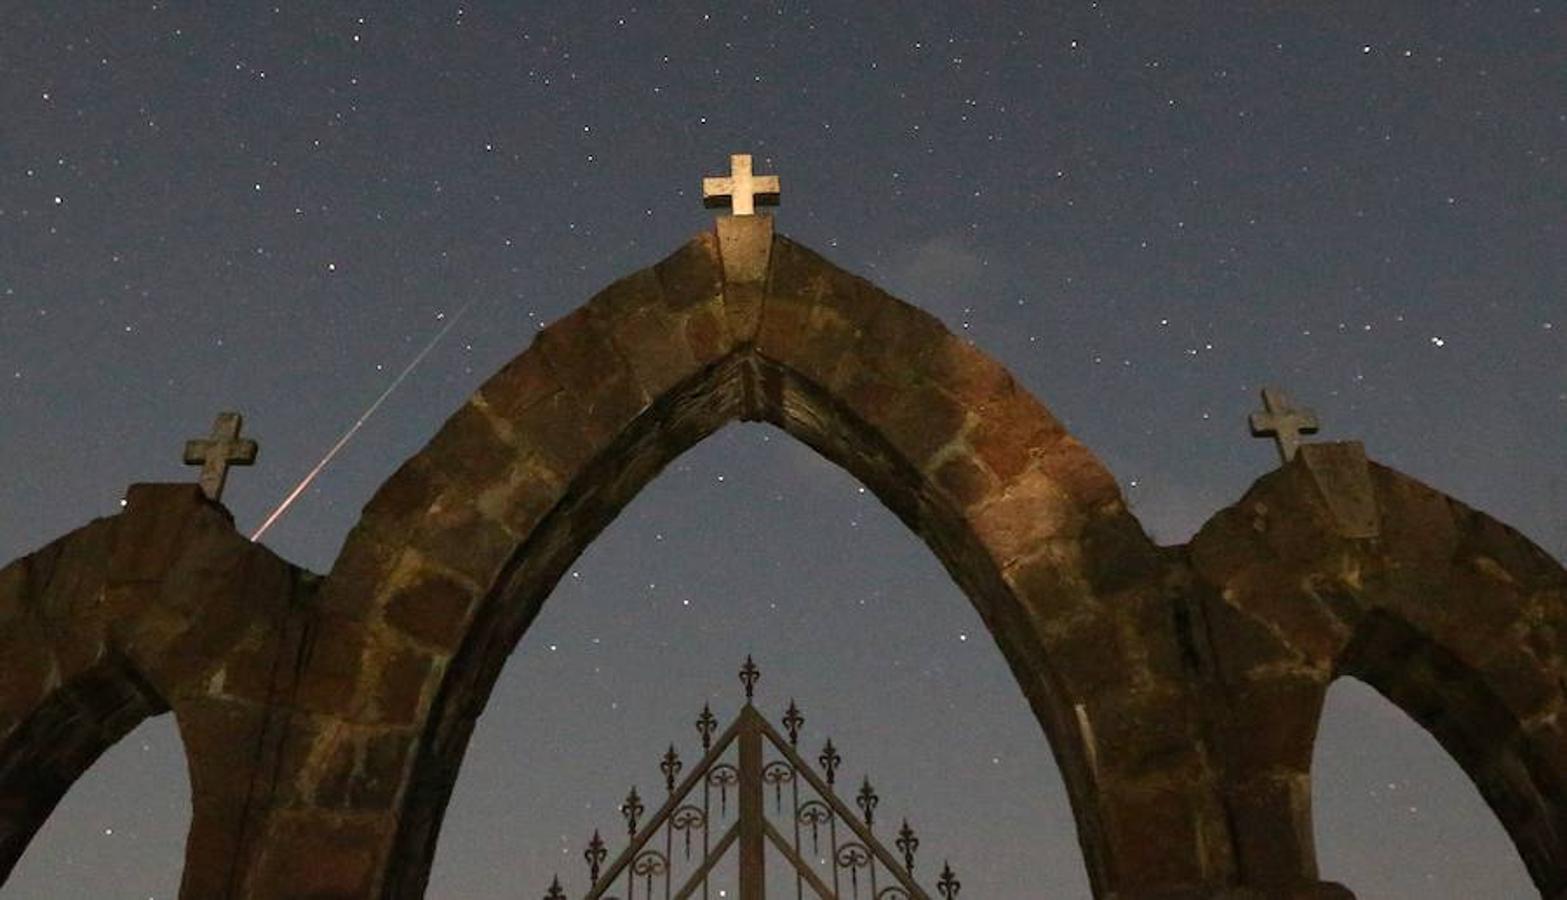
(741, 190)
(1282, 422)
(216, 453)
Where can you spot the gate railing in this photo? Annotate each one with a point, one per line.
(857, 864)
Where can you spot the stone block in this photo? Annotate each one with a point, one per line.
(1156, 837)
(1010, 431)
(579, 351)
(964, 481)
(364, 768)
(653, 343)
(321, 855)
(458, 537)
(429, 606)
(468, 449)
(403, 498)
(707, 334)
(524, 381)
(332, 665)
(1143, 731)
(692, 275)
(1272, 724)
(1027, 516)
(406, 676)
(149, 532)
(745, 245)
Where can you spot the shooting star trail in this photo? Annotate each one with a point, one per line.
(358, 424)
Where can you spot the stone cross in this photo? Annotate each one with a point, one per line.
(1281, 421)
(740, 190)
(216, 453)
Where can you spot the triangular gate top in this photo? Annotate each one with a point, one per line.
(673, 855)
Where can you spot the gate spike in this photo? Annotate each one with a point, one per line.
(749, 674)
(595, 855)
(555, 892)
(867, 801)
(632, 809)
(706, 724)
(948, 886)
(792, 721)
(829, 760)
(907, 843)
(671, 767)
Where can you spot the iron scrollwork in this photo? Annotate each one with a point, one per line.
(777, 773)
(687, 819)
(723, 776)
(814, 813)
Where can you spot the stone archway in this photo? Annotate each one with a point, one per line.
(457, 551)
(1179, 688)
(1458, 620)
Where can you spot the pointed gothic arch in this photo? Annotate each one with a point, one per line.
(1458, 620)
(1179, 688)
(457, 551)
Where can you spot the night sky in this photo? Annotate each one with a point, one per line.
(1145, 210)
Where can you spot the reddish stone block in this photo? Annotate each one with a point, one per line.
(1273, 838)
(636, 293)
(223, 741)
(563, 432)
(332, 664)
(692, 275)
(524, 381)
(320, 855)
(654, 345)
(431, 607)
(468, 450)
(965, 372)
(1029, 514)
(1272, 724)
(457, 536)
(403, 498)
(365, 768)
(707, 334)
(406, 677)
(149, 532)
(364, 562)
(1010, 431)
(821, 351)
(1156, 837)
(580, 353)
(1090, 655)
(1144, 731)
(785, 324)
(903, 338)
(964, 481)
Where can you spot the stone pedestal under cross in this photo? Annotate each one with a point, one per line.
(741, 191)
(216, 453)
(1280, 420)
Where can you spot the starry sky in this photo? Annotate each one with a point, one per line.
(1146, 210)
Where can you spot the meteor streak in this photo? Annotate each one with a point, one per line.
(359, 423)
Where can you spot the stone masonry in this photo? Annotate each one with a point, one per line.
(325, 718)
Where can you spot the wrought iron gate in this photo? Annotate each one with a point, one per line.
(746, 759)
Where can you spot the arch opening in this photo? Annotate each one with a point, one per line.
(864, 631)
(1395, 815)
(741, 386)
(84, 790)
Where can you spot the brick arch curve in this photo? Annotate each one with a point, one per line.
(161, 608)
(63, 700)
(1460, 621)
(455, 554)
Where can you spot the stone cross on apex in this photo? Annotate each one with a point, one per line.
(219, 451)
(1280, 420)
(740, 190)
